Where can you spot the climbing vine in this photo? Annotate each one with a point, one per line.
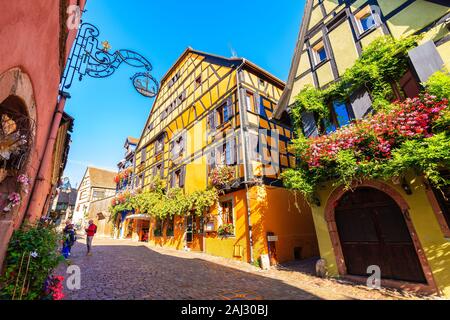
(378, 70)
(160, 203)
(410, 135)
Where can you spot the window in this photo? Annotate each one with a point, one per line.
(227, 212)
(320, 53)
(342, 115)
(143, 155)
(250, 101)
(159, 170)
(174, 79)
(177, 180)
(198, 82)
(365, 19)
(178, 147)
(97, 194)
(159, 145)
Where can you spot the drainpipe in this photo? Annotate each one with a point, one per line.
(42, 181)
(243, 131)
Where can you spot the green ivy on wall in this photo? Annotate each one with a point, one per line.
(378, 68)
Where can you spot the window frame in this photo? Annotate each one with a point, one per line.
(360, 14)
(231, 214)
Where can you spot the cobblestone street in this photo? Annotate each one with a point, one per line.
(121, 269)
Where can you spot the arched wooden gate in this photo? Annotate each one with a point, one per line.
(372, 231)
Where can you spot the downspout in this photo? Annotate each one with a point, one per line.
(243, 131)
(41, 182)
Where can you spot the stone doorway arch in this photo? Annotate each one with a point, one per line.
(429, 285)
(18, 118)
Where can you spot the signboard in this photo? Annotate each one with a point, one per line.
(209, 227)
(265, 262)
(272, 238)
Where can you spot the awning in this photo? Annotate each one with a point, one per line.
(138, 217)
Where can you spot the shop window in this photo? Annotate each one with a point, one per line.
(320, 53)
(365, 19)
(170, 227)
(227, 212)
(158, 229)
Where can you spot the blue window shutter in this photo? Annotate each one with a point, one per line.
(361, 103)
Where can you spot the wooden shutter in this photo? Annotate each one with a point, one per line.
(230, 107)
(231, 150)
(253, 146)
(161, 173)
(143, 179)
(309, 124)
(258, 103)
(143, 155)
(211, 123)
(211, 159)
(182, 176)
(361, 103)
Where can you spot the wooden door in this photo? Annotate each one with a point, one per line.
(194, 232)
(373, 231)
(271, 246)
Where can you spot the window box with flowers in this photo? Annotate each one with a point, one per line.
(226, 230)
(222, 177)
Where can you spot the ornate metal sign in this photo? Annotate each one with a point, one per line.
(91, 58)
(145, 84)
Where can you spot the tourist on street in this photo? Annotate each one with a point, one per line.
(91, 230)
(69, 239)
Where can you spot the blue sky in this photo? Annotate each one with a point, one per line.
(108, 110)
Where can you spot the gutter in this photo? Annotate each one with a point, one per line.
(243, 131)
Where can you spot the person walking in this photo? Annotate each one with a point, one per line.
(91, 230)
(69, 239)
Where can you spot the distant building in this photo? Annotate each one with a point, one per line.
(63, 204)
(96, 184)
(124, 177)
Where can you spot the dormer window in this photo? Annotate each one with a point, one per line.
(320, 54)
(365, 19)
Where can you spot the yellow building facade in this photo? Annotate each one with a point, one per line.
(332, 36)
(212, 112)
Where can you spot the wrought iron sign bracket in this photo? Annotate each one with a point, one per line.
(88, 58)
